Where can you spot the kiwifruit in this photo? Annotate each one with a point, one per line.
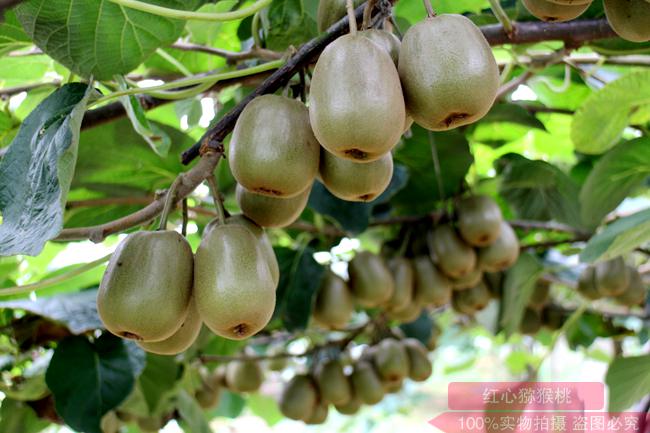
(273, 150)
(276, 363)
(539, 297)
(531, 322)
(479, 220)
(404, 277)
(391, 360)
(501, 254)
(356, 105)
(636, 292)
(471, 300)
(275, 212)
(330, 11)
(181, 339)
(629, 18)
(233, 285)
(612, 276)
(349, 408)
(462, 303)
(366, 383)
(448, 72)
(207, 396)
(386, 40)
(244, 375)
(333, 384)
(262, 238)
(547, 10)
(420, 367)
(571, 2)
(392, 386)
(453, 256)
(370, 280)
(299, 398)
(408, 314)
(432, 287)
(110, 423)
(433, 339)
(467, 281)
(150, 423)
(334, 302)
(146, 289)
(318, 415)
(354, 181)
(587, 284)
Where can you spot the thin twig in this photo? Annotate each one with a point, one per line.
(231, 56)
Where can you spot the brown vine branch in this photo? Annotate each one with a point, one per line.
(573, 33)
(230, 56)
(188, 181)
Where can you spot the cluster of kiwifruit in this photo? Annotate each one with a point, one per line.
(613, 279)
(380, 370)
(156, 292)
(366, 90)
(628, 18)
(459, 252)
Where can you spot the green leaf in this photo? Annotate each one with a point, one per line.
(192, 414)
(230, 405)
(538, 190)
(300, 277)
(76, 311)
(18, 417)
(587, 328)
(266, 408)
(599, 122)
(354, 217)
(618, 173)
(12, 35)
(158, 380)
(150, 132)
(288, 24)
(422, 192)
(628, 380)
(505, 123)
(420, 328)
(88, 379)
(36, 172)
(517, 288)
(100, 38)
(618, 238)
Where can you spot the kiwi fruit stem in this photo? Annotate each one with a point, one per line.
(430, 12)
(169, 201)
(216, 197)
(352, 18)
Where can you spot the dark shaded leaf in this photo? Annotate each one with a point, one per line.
(288, 23)
(587, 328)
(420, 328)
(300, 278)
(422, 191)
(538, 190)
(88, 379)
(36, 172)
(351, 216)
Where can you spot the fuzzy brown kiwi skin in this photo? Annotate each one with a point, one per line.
(356, 106)
(448, 72)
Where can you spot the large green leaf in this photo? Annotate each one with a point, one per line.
(18, 417)
(422, 192)
(517, 289)
(36, 172)
(351, 216)
(505, 123)
(192, 414)
(99, 38)
(599, 122)
(300, 277)
(158, 381)
(614, 177)
(12, 36)
(538, 190)
(77, 311)
(88, 379)
(287, 23)
(618, 238)
(628, 380)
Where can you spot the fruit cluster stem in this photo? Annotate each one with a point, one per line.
(352, 18)
(216, 197)
(501, 15)
(430, 12)
(170, 200)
